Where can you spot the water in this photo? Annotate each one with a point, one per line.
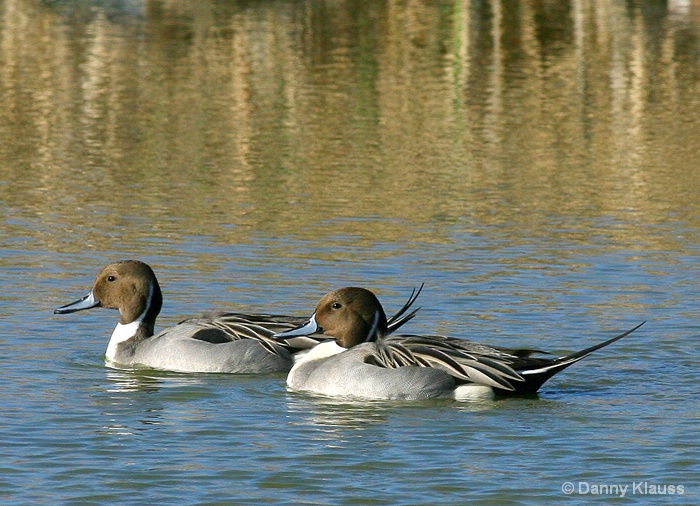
(535, 164)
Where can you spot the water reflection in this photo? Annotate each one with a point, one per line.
(329, 414)
(135, 380)
(337, 420)
(298, 118)
(144, 380)
(133, 400)
(117, 426)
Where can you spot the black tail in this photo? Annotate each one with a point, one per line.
(536, 371)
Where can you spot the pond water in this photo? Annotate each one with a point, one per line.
(535, 164)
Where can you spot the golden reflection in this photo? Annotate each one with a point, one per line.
(385, 121)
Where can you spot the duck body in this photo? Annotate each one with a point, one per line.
(333, 371)
(179, 349)
(365, 362)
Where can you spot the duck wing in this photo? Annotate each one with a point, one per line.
(445, 354)
(220, 328)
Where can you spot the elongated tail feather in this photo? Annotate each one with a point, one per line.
(538, 371)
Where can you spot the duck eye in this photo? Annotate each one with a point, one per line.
(111, 279)
(336, 305)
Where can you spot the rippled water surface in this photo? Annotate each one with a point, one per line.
(535, 164)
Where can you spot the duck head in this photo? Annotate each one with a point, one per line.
(129, 286)
(351, 315)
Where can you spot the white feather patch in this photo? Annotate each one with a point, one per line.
(320, 351)
(125, 332)
(121, 333)
(473, 392)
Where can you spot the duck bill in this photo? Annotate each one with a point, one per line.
(310, 327)
(87, 302)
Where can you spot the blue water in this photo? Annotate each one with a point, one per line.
(77, 431)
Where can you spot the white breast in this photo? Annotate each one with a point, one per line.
(121, 333)
(318, 352)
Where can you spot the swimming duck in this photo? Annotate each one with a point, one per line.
(221, 342)
(364, 361)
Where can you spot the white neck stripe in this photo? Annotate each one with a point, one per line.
(124, 332)
(121, 333)
(375, 324)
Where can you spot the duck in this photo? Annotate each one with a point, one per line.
(365, 360)
(220, 342)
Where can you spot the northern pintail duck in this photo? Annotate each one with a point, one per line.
(365, 362)
(222, 342)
